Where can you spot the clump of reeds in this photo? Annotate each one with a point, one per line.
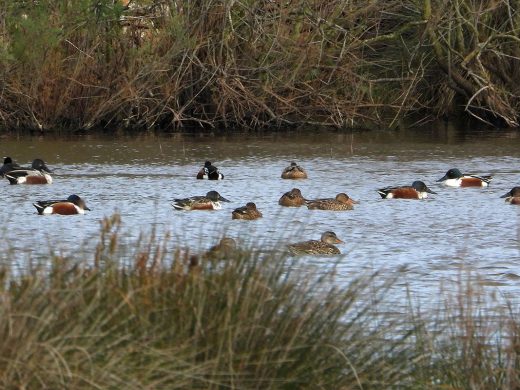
(177, 319)
(171, 319)
(471, 342)
(185, 64)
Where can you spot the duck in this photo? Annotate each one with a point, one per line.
(341, 202)
(209, 172)
(294, 171)
(38, 173)
(325, 246)
(513, 196)
(8, 166)
(226, 247)
(455, 178)
(249, 212)
(418, 190)
(292, 198)
(70, 206)
(210, 201)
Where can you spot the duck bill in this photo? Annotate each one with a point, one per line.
(506, 195)
(46, 169)
(222, 199)
(444, 178)
(338, 241)
(86, 208)
(430, 191)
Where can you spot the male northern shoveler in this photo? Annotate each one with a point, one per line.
(211, 201)
(72, 205)
(209, 172)
(248, 212)
(340, 203)
(513, 196)
(454, 178)
(314, 247)
(225, 248)
(292, 198)
(38, 173)
(294, 171)
(9, 165)
(417, 190)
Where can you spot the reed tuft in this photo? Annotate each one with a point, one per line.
(177, 319)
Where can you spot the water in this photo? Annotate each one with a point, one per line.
(431, 242)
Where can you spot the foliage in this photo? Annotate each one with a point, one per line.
(255, 63)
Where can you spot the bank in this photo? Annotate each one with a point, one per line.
(175, 66)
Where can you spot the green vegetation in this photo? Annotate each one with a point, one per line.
(164, 64)
(171, 319)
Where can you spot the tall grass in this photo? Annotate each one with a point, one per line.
(171, 319)
(254, 63)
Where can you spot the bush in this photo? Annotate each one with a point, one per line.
(248, 65)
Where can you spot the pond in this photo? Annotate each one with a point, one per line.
(431, 241)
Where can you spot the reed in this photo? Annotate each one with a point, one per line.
(169, 318)
(253, 64)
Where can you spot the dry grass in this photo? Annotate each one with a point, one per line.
(255, 63)
(170, 319)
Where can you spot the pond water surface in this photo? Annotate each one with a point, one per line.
(431, 240)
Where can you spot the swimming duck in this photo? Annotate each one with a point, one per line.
(292, 198)
(248, 212)
(209, 172)
(341, 202)
(294, 171)
(455, 178)
(38, 173)
(418, 190)
(72, 205)
(314, 247)
(211, 201)
(9, 165)
(225, 248)
(513, 196)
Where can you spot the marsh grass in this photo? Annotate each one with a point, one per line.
(175, 319)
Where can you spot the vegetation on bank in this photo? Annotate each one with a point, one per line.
(170, 319)
(164, 64)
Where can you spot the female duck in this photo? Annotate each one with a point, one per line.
(341, 202)
(226, 247)
(248, 212)
(294, 171)
(292, 198)
(314, 247)
(513, 196)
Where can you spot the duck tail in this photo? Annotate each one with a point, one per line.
(177, 206)
(12, 179)
(39, 207)
(487, 179)
(383, 193)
